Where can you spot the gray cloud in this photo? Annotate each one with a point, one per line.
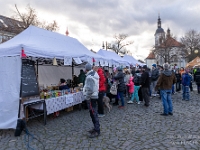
(106, 18)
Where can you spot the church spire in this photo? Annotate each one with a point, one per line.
(159, 21)
(168, 33)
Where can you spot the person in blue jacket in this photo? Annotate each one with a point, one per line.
(186, 80)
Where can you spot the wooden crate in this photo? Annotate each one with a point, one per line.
(69, 109)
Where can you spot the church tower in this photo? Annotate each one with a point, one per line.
(160, 33)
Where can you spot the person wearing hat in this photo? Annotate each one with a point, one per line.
(145, 84)
(90, 92)
(154, 79)
(165, 82)
(121, 85)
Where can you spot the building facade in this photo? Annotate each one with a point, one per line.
(166, 49)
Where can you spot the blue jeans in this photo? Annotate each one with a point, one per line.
(186, 92)
(173, 89)
(167, 100)
(121, 95)
(135, 93)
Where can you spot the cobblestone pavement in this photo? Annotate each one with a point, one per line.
(135, 127)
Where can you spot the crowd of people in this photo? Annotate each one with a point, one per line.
(138, 83)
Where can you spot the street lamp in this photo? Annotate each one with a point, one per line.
(196, 51)
(107, 45)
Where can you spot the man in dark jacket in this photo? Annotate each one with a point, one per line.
(178, 81)
(165, 82)
(145, 84)
(121, 85)
(197, 79)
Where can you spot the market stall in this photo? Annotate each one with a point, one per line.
(40, 47)
(132, 60)
(114, 59)
(194, 62)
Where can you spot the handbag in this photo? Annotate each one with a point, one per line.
(113, 89)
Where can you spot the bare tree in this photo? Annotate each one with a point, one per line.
(170, 50)
(120, 44)
(191, 40)
(31, 18)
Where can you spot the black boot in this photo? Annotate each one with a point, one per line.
(116, 102)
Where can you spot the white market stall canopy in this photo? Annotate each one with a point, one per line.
(113, 58)
(132, 60)
(38, 42)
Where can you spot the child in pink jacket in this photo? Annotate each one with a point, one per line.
(131, 86)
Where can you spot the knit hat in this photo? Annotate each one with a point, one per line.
(154, 65)
(88, 67)
(119, 68)
(144, 67)
(187, 70)
(166, 66)
(62, 80)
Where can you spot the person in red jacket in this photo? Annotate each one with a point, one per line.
(102, 90)
(131, 86)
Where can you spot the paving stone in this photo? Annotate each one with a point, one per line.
(136, 127)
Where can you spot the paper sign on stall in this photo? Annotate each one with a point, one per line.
(89, 60)
(106, 63)
(69, 99)
(67, 60)
(96, 63)
(110, 63)
(101, 62)
(77, 60)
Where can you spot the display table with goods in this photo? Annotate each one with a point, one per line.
(61, 100)
(50, 102)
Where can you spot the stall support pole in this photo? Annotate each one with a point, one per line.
(72, 69)
(37, 68)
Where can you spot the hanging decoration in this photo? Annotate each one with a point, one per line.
(23, 55)
(55, 62)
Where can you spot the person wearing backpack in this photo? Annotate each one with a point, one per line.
(154, 79)
(121, 87)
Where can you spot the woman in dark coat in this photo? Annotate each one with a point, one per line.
(121, 85)
(81, 77)
(178, 83)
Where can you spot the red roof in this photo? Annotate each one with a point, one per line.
(171, 42)
(151, 56)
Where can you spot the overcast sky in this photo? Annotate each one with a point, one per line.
(95, 21)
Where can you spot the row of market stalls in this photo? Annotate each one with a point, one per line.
(43, 47)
